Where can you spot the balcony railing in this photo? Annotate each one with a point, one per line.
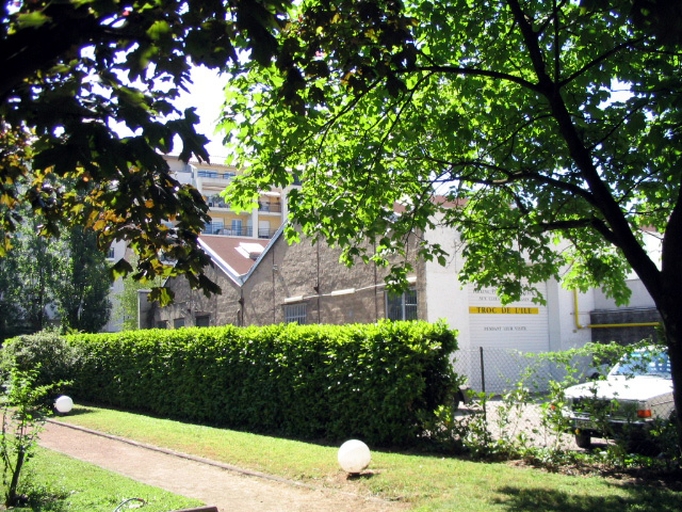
(246, 232)
(269, 207)
(264, 207)
(216, 175)
(216, 202)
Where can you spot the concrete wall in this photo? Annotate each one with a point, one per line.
(570, 317)
(626, 325)
(639, 310)
(449, 300)
(447, 297)
(312, 271)
(223, 309)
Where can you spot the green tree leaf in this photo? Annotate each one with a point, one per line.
(544, 133)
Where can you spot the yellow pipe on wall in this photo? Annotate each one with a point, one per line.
(604, 326)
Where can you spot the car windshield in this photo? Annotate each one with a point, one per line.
(653, 363)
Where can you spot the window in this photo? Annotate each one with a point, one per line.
(296, 313)
(178, 322)
(202, 321)
(263, 229)
(402, 306)
(214, 227)
(236, 227)
(110, 253)
(215, 201)
(162, 324)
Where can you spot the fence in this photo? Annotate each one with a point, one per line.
(498, 371)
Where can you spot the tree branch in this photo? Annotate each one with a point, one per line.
(466, 71)
(598, 60)
(604, 202)
(511, 176)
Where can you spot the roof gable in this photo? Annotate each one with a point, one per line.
(233, 255)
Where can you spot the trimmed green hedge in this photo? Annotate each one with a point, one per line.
(380, 383)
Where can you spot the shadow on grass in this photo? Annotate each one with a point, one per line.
(42, 498)
(364, 475)
(639, 497)
(76, 411)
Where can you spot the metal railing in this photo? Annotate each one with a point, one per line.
(269, 207)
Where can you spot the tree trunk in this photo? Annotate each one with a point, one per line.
(12, 497)
(672, 324)
(675, 354)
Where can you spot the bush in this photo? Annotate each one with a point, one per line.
(382, 383)
(47, 351)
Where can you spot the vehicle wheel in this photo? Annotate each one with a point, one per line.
(643, 445)
(583, 440)
(458, 399)
(455, 402)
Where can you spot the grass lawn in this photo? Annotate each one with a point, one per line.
(65, 484)
(426, 483)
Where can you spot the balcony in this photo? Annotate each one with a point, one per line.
(215, 201)
(216, 175)
(269, 207)
(245, 232)
(212, 179)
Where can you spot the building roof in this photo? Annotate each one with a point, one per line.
(233, 255)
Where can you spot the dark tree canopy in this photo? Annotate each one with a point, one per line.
(77, 75)
(660, 18)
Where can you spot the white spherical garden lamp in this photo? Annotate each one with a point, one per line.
(63, 404)
(354, 456)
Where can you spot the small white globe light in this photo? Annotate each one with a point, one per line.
(354, 456)
(63, 404)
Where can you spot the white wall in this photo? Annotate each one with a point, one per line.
(543, 327)
(640, 297)
(446, 299)
(114, 323)
(571, 333)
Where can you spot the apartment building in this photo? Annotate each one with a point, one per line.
(226, 228)
(210, 180)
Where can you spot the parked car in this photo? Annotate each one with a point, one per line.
(636, 393)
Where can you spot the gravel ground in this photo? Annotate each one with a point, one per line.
(526, 419)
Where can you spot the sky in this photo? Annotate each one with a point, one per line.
(206, 94)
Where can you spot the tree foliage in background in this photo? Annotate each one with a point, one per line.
(537, 123)
(89, 86)
(28, 281)
(126, 308)
(64, 280)
(83, 283)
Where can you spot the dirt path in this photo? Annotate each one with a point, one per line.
(228, 488)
